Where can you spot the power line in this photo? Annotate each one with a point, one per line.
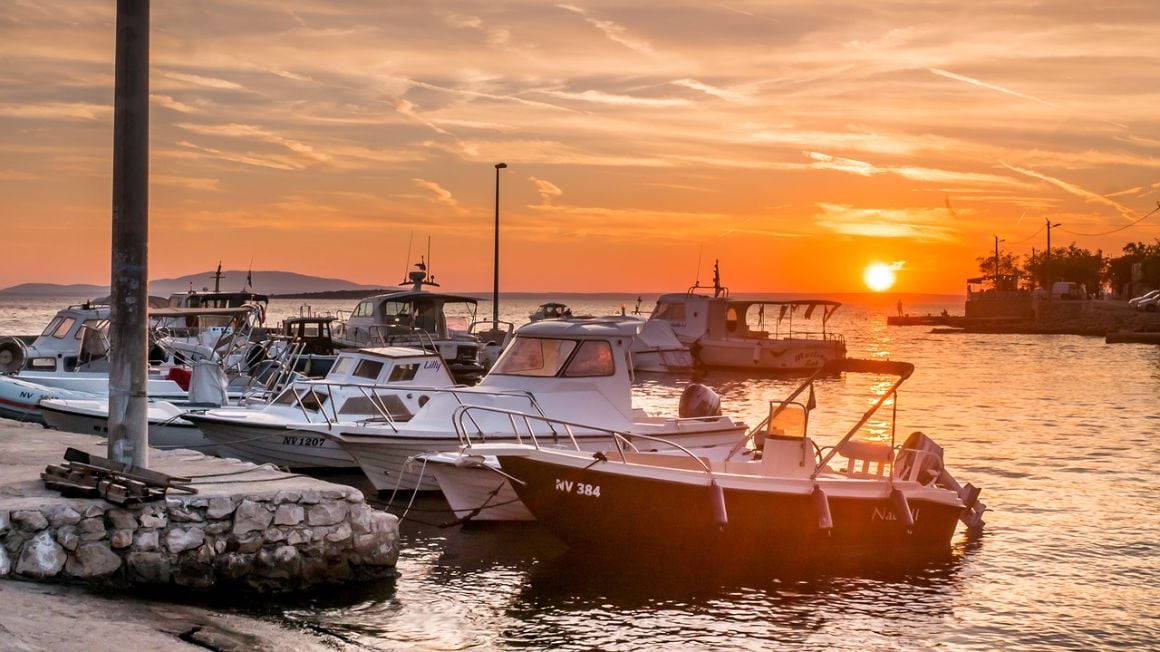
(1115, 230)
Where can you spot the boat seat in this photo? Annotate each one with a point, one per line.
(861, 456)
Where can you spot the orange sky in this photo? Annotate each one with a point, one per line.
(795, 141)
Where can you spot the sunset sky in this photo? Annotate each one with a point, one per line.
(796, 141)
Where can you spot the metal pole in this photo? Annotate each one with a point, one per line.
(1047, 260)
(495, 279)
(128, 428)
(996, 263)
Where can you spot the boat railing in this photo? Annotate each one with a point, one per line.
(323, 394)
(384, 335)
(559, 431)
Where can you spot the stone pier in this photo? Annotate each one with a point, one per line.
(248, 527)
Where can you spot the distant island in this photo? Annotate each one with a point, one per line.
(273, 283)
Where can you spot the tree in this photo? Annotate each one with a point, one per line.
(1147, 256)
(1068, 264)
(1009, 272)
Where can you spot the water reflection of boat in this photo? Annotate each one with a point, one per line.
(897, 499)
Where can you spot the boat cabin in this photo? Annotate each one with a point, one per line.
(312, 331)
(564, 356)
(76, 338)
(551, 311)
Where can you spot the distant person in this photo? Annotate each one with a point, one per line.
(900, 307)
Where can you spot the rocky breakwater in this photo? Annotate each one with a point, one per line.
(248, 527)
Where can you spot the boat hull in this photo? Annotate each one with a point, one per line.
(91, 418)
(475, 492)
(768, 354)
(597, 509)
(273, 444)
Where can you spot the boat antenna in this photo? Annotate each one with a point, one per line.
(432, 276)
(700, 252)
(407, 260)
(217, 278)
(250, 275)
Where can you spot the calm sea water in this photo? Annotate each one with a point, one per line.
(1061, 432)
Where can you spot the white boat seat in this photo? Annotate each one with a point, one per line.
(862, 455)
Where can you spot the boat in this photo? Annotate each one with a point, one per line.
(789, 499)
(166, 427)
(417, 317)
(363, 384)
(551, 310)
(723, 332)
(73, 340)
(574, 371)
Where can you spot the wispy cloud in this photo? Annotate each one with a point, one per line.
(722, 93)
(58, 111)
(983, 84)
(1078, 191)
(615, 32)
(205, 82)
(548, 190)
(920, 224)
(437, 193)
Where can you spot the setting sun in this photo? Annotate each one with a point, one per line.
(878, 277)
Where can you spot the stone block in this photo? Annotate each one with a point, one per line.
(220, 507)
(5, 523)
(121, 539)
(282, 562)
(384, 522)
(333, 494)
(91, 561)
(340, 533)
(289, 514)
(283, 497)
(375, 550)
(179, 539)
(184, 515)
(193, 573)
(5, 563)
(92, 528)
(355, 496)
(147, 568)
(360, 518)
(250, 543)
(68, 537)
(219, 527)
(41, 557)
(275, 535)
(29, 520)
(121, 519)
(147, 541)
(63, 515)
(328, 513)
(94, 510)
(310, 497)
(252, 516)
(234, 565)
(153, 521)
(298, 536)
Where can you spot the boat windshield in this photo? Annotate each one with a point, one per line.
(669, 312)
(534, 356)
(542, 357)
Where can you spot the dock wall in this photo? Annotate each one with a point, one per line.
(281, 533)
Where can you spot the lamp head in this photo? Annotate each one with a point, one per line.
(500, 166)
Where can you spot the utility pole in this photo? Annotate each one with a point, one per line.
(128, 374)
(1047, 259)
(997, 241)
(495, 279)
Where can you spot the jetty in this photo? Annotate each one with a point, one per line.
(222, 525)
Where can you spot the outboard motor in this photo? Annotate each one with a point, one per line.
(699, 401)
(13, 355)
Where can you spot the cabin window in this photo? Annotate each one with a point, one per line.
(731, 319)
(403, 372)
(93, 325)
(389, 404)
(287, 397)
(532, 356)
(594, 358)
(368, 369)
(48, 330)
(63, 328)
(313, 399)
(364, 309)
(342, 366)
(669, 312)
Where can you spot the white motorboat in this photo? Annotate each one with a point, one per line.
(574, 371)
(167, 428)
(751, 334)
(363, 384)
(789, 499)
(417, 317)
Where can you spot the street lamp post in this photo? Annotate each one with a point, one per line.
(495, 279)
(997, 241)
(1047, 257)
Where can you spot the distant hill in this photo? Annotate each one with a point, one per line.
(274, 283)
(54, 290)
(264, 282)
